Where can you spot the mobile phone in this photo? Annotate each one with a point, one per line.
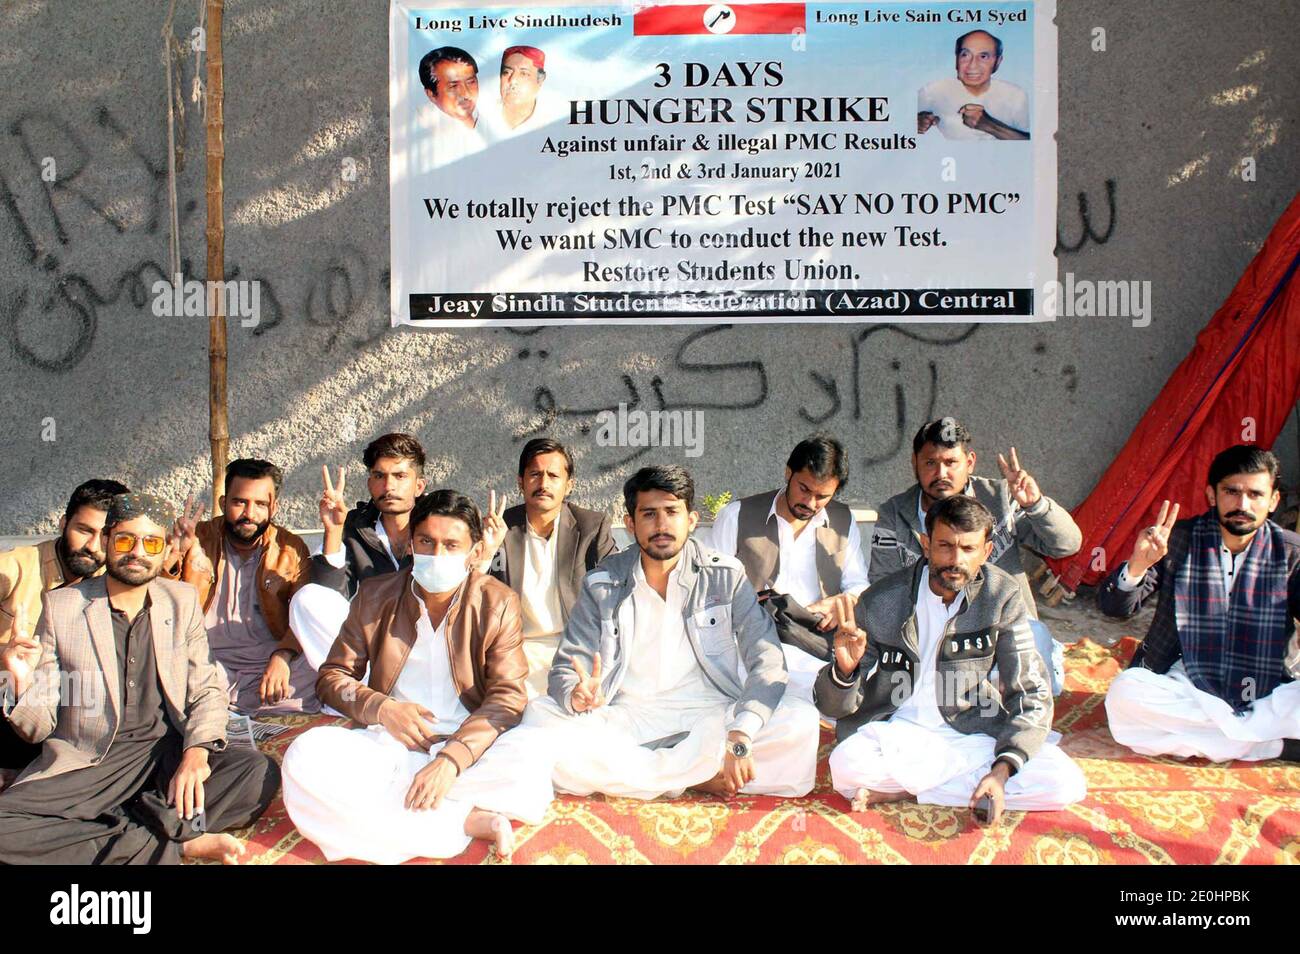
(983, 809)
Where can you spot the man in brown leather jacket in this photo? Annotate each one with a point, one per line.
(433, 765)
(246, 570)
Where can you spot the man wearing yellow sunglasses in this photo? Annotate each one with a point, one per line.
(135, 769)
(27, 572)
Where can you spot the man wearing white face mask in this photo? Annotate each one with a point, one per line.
(431, 768)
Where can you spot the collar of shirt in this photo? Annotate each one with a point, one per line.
(383, 538)
(638, 578)
(60, 576)
(237, 559)
(1229, 564)
(820, 520)
(434, 116)
(549, 541)
(424, 610)
(936, 603)
(148, 604)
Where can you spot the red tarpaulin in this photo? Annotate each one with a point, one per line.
(1236, 387)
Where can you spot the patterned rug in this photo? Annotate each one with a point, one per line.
(1138, 811)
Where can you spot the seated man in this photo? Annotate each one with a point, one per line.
(28, 572)
(910, 685)
(1214, 676)
(943, 459)
(542, 548)
(800, 543)
(119, 687)
(669, 674)
(371, 538)
(433, 766)
(246, 568)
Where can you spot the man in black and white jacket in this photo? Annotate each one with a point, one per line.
(370, 539)
(911, 684)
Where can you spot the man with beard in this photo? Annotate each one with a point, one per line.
(437, 758)
(943, 460)
(542, 548)
(119, 688)
(372, 538)
(28, 572)
(669, 674)
(800, 545)
(246, 569)
(1215, 675)
(910, 684)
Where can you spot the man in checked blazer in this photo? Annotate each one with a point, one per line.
(542, 549)
(120, 690)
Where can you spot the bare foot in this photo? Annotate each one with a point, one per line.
(505, 836)
(864, 798)
(492, 827)
(215, 847)
(718, 785)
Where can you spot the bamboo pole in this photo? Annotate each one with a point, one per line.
(218, 428)
(173, 101)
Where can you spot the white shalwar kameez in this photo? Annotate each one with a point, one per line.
(1156, 714)
(665, 694)
(916, 751)
(540, 602)
(345, 789)
(1167, 715)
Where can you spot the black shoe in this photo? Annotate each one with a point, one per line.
(1290, 750)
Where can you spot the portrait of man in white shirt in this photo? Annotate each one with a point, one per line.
(449, 127)
(973, 104)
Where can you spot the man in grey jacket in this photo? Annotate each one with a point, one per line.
(943, 459)
(669, 674)
(909, 684)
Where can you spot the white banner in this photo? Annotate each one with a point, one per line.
(779, 162)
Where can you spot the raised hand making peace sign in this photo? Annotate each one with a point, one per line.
(1024, 489)
(185, 537)
(1152, 543)
(850, 641)
(494, 529)
(333, 505)
(586, 694)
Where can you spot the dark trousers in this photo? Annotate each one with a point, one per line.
(14, 752)
(39, 826)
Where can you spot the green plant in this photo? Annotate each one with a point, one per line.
(715, 502)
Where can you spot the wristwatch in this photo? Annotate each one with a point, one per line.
(740, 750)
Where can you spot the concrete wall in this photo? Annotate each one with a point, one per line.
(1152, 132)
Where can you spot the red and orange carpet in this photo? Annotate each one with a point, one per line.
(1138, 811)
